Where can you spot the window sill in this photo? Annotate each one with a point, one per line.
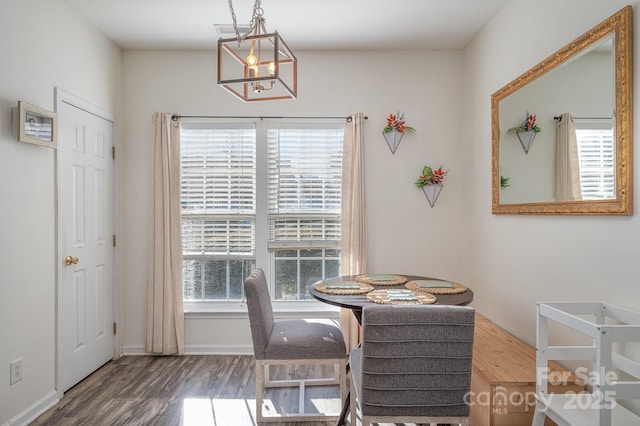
(281, 310)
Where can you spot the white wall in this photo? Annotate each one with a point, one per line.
(405, 234)
(43, 44)
(518, 260)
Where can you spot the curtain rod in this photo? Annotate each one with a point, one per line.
(176, 117)
(558, 117)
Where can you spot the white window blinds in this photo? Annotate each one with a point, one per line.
(218, 175)
(596, 151)
(305, 173)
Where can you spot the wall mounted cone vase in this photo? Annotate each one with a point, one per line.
(526, 139)
(432, 192)
(393, 140)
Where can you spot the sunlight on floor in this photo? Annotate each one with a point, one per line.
(238, 412)
(324, 405)
(218, 412)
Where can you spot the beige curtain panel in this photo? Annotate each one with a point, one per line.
(165, 314)
(567, 161)
(353, 251)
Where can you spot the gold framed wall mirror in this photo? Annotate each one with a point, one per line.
(582, 166)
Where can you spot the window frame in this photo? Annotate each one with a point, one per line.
(264, 254)
(598, 126)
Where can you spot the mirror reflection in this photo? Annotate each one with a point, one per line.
(561, 132)
(571, 157)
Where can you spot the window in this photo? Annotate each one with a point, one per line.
(596, 153)
(305, 179)
(264, 194)
(218, 202)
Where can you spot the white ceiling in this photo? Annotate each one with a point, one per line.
(303, 24)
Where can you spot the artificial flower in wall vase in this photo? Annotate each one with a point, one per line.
(431, 183)
(395, 129)
(526, 131)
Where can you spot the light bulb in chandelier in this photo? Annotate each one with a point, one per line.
(252, 66)
(252, 60)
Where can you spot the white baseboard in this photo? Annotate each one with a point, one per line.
(195, 350)
(34, 410)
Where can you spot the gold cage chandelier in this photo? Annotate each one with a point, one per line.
(257, 66)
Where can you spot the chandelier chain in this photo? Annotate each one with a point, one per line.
(256, 18)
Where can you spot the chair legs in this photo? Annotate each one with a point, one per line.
(264, 380)
(353, 403)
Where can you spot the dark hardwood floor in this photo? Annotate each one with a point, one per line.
(186, 391)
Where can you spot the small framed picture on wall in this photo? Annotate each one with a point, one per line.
(37, 125)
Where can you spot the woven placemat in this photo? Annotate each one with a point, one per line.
(456, 289)
(382, 297)
(397, 279)
(362, 287)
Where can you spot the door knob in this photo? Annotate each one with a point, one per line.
(70, 260)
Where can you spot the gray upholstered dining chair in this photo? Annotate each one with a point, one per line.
(414, 364)
(291, 343)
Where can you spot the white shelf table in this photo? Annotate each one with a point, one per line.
(614, 376)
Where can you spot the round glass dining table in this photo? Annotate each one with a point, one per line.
(356, 302)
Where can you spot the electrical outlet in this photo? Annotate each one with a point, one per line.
(16, 371)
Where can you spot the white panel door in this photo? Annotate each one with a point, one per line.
(86, 243)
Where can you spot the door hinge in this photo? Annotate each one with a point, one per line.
(113, 152)
(115, 328)
(114, 240)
